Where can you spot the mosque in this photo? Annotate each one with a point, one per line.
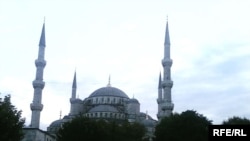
(108, 103)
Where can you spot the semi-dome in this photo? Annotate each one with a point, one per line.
(133, 100)
(55, 125)
(108, 91)
(59, 122)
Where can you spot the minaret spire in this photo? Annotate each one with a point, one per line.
(73, 98)
(74, 81)
(109, 85)
(74, 87)
(42, 38)
(159, 84)
(160, 88)
(165, 105)
(167, 43)
(38, 84)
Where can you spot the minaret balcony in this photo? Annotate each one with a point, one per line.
(168, 106)
(75, 101)
(36, 106)
(40, 63)
(38, 84)
(167, 83)
(167, 62)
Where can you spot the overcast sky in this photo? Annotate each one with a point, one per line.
(210, 48)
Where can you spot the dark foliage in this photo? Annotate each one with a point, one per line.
(235, 120)
(188, 126)
(11, 123)
(85, 129)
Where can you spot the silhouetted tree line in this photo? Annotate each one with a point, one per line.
(188, 125)
(85, 129)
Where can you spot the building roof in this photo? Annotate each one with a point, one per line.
(59, 122)
(108, 91)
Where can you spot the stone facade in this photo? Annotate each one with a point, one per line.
(35, 134)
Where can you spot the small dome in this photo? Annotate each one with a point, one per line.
(58, 123)
(108, 91)
(133, 100)
(103, 108)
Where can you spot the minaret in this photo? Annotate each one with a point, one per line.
(74, 87)
(160, 88)
(164, 100)
(73, 97)
(38, 84)
(159, 94)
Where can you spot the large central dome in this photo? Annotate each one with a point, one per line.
(108, 91)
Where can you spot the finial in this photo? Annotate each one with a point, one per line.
(44, 19)
(109, 85)
(147, 114)
(167, 18)
(60, 114)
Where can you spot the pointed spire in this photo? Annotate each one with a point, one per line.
(42, 38)
(147, 115)
(159, 85)
(109, 85)
(60, 116)
(74, 81)
(167, 39)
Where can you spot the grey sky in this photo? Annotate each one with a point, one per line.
(210, 49)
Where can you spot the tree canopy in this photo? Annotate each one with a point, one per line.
(11, 123)
(235, 120)
(85, 129)
(188, 126)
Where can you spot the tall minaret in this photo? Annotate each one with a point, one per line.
(74, 87)
(164, 100)
(38, 84)
(73, 96)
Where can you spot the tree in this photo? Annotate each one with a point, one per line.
(11, 123)
(85, 129)
(188, 126)
(131, 132)
(235, 120)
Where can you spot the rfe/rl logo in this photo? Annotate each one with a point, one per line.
(229, 132)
